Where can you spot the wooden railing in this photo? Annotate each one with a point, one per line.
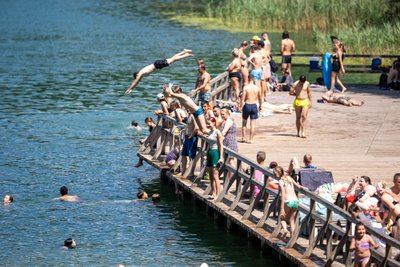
(321, 227)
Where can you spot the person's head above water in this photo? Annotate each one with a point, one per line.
(141, 194)
(8, 199)
(63, 190)
(134, 124)
(156, 198)
(69, 243)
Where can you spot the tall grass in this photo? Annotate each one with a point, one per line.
(383, 39)
(302, 14)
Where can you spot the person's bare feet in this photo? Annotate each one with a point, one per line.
(344, 89)
(362, 102)
(187, 50)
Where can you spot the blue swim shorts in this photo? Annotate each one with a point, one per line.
(250, 110)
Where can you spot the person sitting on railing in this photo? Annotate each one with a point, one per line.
(188, 104)
(179, 114)
(289, 200)
(157, 65)
(215, 155)
(173, 154)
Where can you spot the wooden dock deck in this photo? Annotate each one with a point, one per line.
(345, 140)
(349, 141)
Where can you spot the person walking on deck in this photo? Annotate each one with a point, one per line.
(302, 103)
(157, 65)
(250, 98)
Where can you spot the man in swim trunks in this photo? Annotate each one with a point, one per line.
(189, 105)
(342, 99)
(302, 103)
(287, 48)
(204, 87)
(250, 98)
(157, 65)
(256, 60)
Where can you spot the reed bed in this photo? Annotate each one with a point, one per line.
(365, 26)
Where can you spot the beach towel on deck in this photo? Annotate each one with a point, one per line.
(313, 178)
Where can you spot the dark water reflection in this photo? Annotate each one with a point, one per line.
(64, 66)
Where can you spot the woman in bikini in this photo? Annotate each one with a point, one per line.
(235, 75)
(361, 244)
(302, 103)
(289, 200)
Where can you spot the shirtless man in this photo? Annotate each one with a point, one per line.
(302, 103)
(342, 99)
(204, 86)
(187, 102)
(217, 116)
(256, 60)
(157, 65)
(65, 196)
(394, 191)
(251, 96)
(287, 48)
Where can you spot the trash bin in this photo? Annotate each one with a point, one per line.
(314, 63)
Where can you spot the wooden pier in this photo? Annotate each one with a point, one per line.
(345, 140)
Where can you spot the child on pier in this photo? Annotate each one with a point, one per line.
(361, 244)
(289, 200)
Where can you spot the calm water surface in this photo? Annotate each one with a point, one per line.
(64, 66)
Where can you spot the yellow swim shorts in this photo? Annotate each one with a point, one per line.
(301, 103)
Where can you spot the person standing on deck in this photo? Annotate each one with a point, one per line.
(244, 70)
(215, 156)
(256, 60)
(250, 98)
(287, 48)
(302, 103)
(235, 75)
(204, 86)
